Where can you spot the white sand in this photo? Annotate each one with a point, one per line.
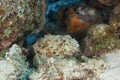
(113, 72)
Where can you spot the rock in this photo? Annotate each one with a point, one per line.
(7, 71)
(55, 46)
(115, 20)
(116, 10)
(17, 17)
(100, 38)
(13, 66)
(68, 69)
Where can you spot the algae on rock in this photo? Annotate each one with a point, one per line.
(101, 38)
(19, 16)
(115, 20)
